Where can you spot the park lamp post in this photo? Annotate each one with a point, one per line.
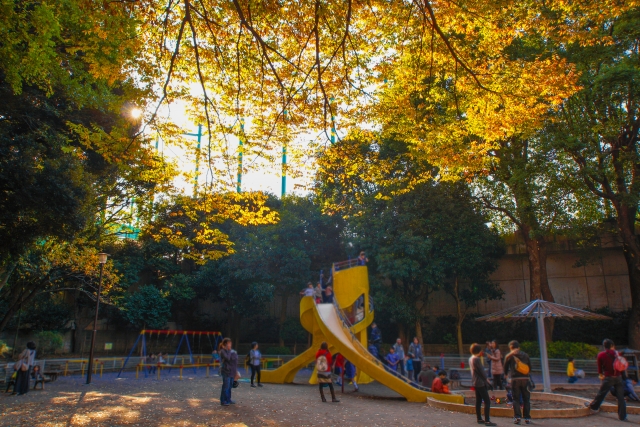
(102, 259)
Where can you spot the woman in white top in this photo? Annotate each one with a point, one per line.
(255, 360)
(23, 366)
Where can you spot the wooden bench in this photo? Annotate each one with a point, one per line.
(53, 375)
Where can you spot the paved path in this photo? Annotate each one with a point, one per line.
(194, 402)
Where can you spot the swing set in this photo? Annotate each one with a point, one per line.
(145, 338)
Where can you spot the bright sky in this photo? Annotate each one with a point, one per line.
(260, 173)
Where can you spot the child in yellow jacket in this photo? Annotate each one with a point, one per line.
(571, 372)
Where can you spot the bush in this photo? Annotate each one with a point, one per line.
(561, 349)
(277, 351)
(49, 341)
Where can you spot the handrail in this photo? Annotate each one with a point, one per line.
(369, 356)
(343, 265)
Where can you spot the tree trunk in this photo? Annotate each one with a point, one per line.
(419, 331)
(538, 280)
(5, 273)
(537, 254)
(631, 249)
(459, 317)
(284, 298)
(402, 334)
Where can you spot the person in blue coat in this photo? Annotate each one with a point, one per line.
(628, 388)
(350, 374)
(376, 336)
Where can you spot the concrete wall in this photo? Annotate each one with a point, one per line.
(602, 283)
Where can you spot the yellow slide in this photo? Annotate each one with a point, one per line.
(328, 324)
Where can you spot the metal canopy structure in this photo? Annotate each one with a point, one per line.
(541, 308)
(538, 310)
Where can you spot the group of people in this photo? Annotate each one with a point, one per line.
(322, 295)
(154, 360)
(516, 365)
(407, 364)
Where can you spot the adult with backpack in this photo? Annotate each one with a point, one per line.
(518, 365)
(255, 360)
(610, 368)
(323, 368)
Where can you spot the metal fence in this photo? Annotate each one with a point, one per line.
(556, 366)
(78, 366)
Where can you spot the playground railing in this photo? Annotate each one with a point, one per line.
(356, 342)
(343, 265)
(556, 366)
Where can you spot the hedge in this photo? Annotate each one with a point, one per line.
(277, 351)
(561, 349)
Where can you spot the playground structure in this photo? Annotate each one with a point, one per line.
(184, 338)
(343, 325)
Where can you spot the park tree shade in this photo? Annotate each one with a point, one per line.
(51, 268)
(599, 128)
(532, 188)
(66, 145)
(433, 238)
(422, 236)
(147, 308)
(273, 261)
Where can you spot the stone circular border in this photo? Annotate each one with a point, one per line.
(500, 411)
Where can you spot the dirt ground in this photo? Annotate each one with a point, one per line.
(194, 401)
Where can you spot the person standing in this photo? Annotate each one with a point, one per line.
(255, 361)
(362, 259)
(327, 298)
(338, 367)
(481, 384)
(399, 349)
(318, 293)
(393, 360)
(309, 291)
(376, 336)
(228, 369)
(609, 377)
(323, 368)
(23, 366)
(495, 363)
(517, 364)
(487, 351)
(415, 353)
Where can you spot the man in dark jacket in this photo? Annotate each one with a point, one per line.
(228, 369)
(426, 376)
(611, 378)
(481, 384)
(519, 381)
